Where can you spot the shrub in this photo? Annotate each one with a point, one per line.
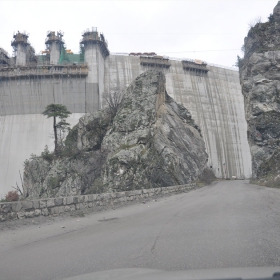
(47, 155)
(271, 18)
(53, 182)
(207, 176)
(12, 196)
(239, 61)
(114, 100)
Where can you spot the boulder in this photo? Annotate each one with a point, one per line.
(151, 141)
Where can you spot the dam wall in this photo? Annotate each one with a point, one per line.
(215, 101)
(212, 94)
(29, 96)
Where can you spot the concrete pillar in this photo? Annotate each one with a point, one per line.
(20, 45)
(96, 51)
(95, 78)
(21, 55)
(54, 44)
(54, 52)
(91, 58)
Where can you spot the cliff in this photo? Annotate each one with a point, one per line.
(260, 81)
(150, 142)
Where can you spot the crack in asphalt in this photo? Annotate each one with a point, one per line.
(153, 248)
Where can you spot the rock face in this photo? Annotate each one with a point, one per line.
(151, 142)
(260, 81)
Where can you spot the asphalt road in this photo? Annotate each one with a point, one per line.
(228, 224)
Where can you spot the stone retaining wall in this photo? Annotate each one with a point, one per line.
(85, 203)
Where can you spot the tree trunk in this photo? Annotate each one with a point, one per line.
(55, 136)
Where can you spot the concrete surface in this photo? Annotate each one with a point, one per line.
(228, 224)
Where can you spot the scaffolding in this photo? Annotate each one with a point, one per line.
(53, 37)
(93, 37)
(31, 58)
(156, 61)
(195, 65)
(4, 58)
(82, 53)
(21, 38)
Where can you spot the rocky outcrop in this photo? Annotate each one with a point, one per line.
(260, 81)
(151, 142)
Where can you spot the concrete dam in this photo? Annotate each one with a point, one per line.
(29, 82)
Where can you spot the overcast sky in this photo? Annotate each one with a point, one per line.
(211, 30)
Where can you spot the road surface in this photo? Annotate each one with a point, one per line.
(228, 224)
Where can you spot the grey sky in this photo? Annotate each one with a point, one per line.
(211, 30)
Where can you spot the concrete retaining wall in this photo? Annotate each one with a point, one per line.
(84, 203)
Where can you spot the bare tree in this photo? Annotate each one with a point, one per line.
(114, 99)
(255, 21)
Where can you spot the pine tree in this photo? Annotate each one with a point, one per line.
(57, 111)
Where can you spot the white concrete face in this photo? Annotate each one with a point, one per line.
(31, 96)
(21, 55)
(216, 104)
(95, 78)
(22, 135)
(101, 74)
(91, 58)
(54, 53)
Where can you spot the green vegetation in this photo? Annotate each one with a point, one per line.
(57, 111)
(53, 182)
(271, 18)
(47, 155)
(207, 176)
(239, 61)
(70, 144)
